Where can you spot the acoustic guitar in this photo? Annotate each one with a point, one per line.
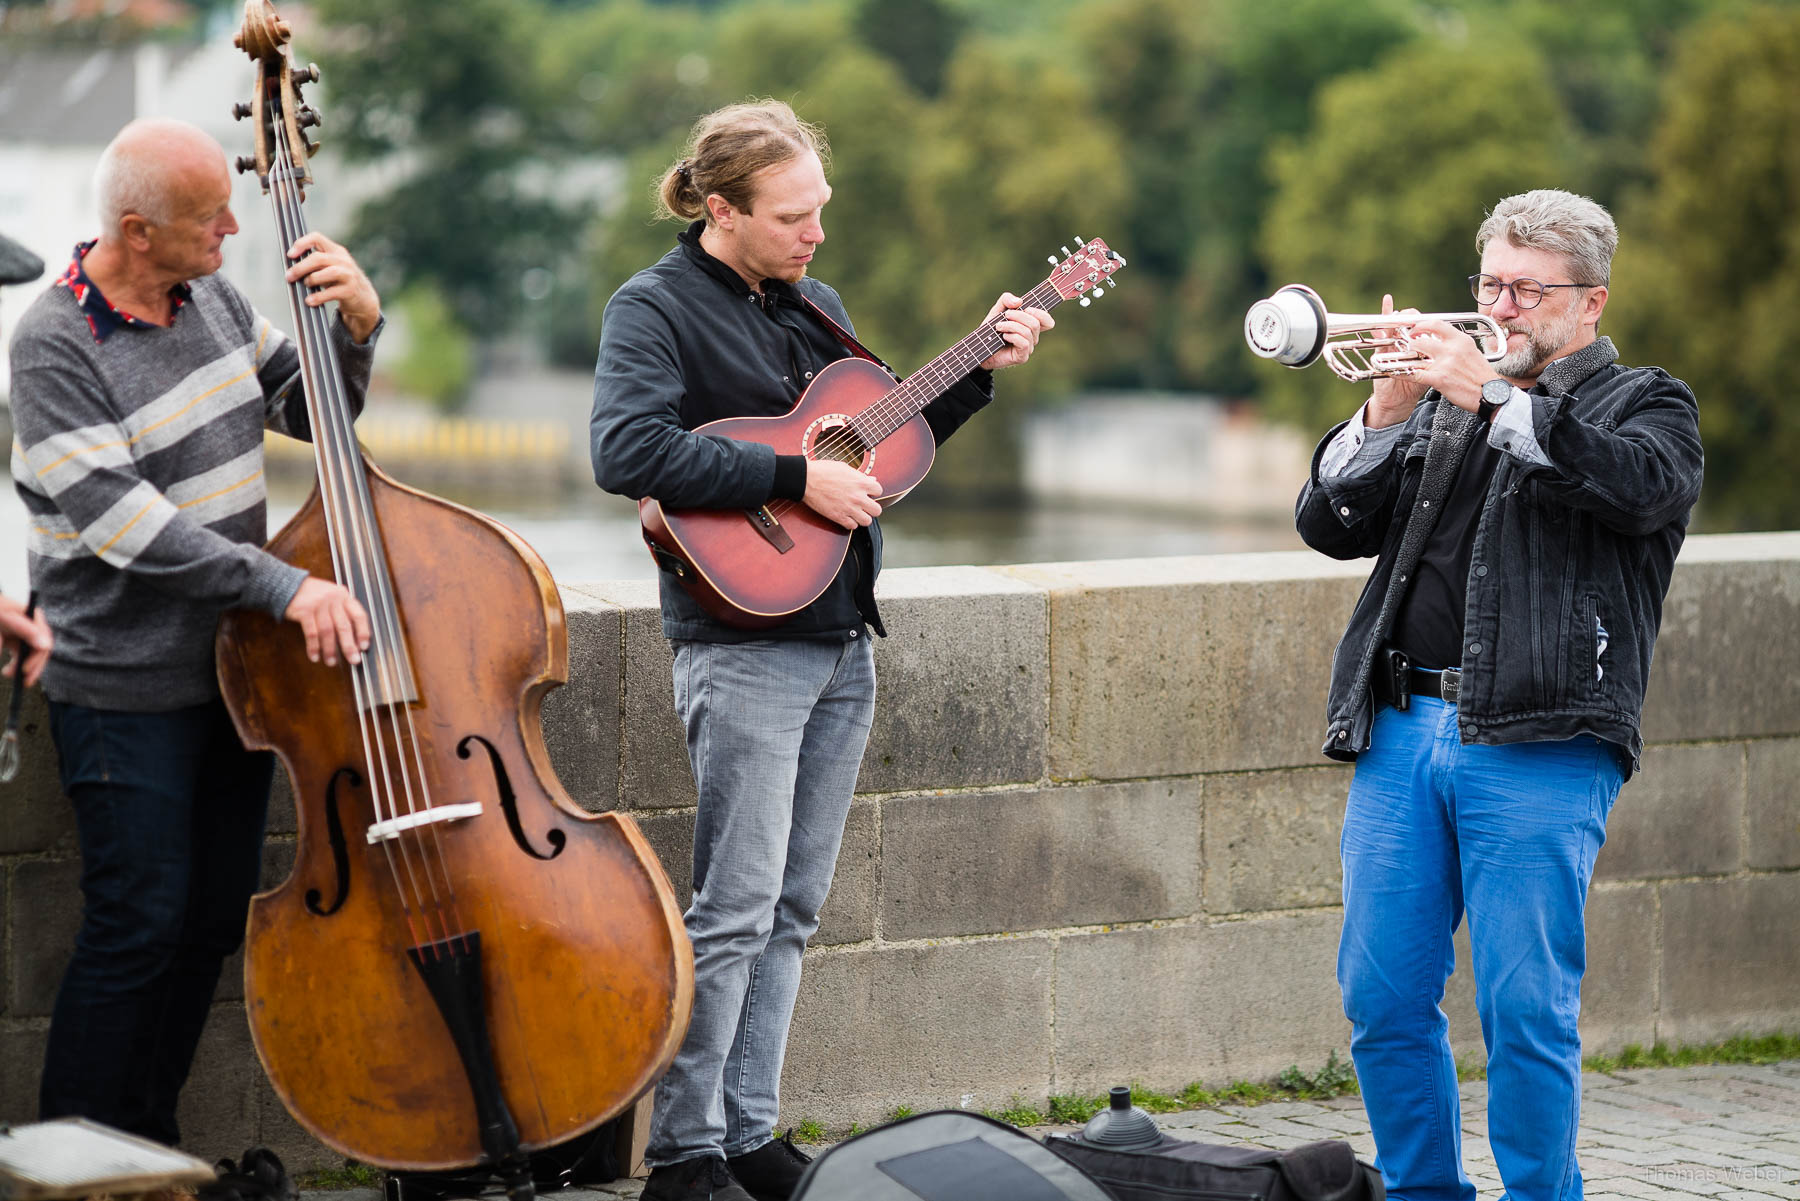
(754, 568)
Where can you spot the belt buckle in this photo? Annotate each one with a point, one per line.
(1450, 684)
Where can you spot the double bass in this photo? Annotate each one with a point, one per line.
(463, 966)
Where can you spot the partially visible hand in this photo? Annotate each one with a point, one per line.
(1454, 364)
(33, 634)
(333, 620)
(1021, 328)
(1396, 396)
(331, 269)
(839, 492)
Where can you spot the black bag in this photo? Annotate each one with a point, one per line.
(1176, 1168)
(948, 1155)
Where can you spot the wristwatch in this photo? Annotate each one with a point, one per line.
(1494, 393)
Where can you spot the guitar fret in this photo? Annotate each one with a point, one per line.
(937, 377)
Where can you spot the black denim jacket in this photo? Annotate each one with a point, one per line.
(684, 342)
(1561, 554)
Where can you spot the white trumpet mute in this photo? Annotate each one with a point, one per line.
(1293, 328)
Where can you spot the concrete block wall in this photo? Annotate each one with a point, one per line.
(1095, 841)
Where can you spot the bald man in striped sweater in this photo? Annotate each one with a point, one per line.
(141, 385)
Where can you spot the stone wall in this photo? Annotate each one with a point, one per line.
(1095, 841)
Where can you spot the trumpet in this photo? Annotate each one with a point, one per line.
(1292, 327)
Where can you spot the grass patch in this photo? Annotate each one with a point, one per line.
(809, 1130)
(352, 1175)
(1470, 1068)
(1018, 1112)
(1769, 1048)
(900, 1112)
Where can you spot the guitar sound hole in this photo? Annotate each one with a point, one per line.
(838, 442)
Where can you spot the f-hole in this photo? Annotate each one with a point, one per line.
(340, 850)
(509, 803)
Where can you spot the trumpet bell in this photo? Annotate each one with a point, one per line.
(1289, 327)
(1293, 328)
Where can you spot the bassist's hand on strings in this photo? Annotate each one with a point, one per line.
(332, 619)
(329, 268)
(1021, 328)
(839, 492)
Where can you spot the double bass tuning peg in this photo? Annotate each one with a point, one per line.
(245, 164)
(308, 117)
(240, 110)
(308, 74)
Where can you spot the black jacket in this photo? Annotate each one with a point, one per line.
(1561, 552)
(685, 342)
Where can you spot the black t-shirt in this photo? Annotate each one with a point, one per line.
(1429, 626)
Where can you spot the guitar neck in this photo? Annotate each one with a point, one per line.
(938, 376)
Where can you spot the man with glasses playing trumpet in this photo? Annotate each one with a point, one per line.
(1525, 515)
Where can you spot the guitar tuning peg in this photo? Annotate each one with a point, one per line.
(1065, 251)
(1052, 260)
(1085, 301)
(1098, 292)
(240, 110)
(1080, 241)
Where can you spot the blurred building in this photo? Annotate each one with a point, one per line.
(1164, 450)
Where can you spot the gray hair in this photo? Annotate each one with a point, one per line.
(126, 182)
(1561, 222)
(136, 169)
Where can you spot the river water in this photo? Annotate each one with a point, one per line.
(594, 536)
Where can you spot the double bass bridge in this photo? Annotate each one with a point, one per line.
(393, 827)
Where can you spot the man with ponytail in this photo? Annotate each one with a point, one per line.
(727, 324)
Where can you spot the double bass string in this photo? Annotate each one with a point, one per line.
(346, 491)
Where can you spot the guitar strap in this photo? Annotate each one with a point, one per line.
(843, 335)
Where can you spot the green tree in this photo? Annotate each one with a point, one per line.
(1707, 280)
(1385, 192)
(1196, 92)
(450, 93)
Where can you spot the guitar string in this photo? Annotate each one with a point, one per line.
(362, 561)
(942, 372)
(910, 396)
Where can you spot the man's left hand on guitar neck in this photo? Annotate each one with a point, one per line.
(1021, 328)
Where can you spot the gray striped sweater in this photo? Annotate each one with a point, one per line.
(140, 459)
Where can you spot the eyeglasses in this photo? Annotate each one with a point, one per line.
(1526, 293)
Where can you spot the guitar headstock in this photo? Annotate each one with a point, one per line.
(276, 105)
(1081, 273)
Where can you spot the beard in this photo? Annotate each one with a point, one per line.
(1542, 343)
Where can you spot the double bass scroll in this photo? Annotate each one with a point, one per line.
(463, 966)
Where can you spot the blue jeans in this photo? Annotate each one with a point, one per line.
(1509, 833)
(775, 733)
(169, 810)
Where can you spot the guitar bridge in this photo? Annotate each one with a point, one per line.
(769, 526)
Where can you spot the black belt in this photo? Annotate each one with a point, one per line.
(1396, 681)
(1446, 685)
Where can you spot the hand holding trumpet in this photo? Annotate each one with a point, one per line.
(1449, 361)
(1396, 396)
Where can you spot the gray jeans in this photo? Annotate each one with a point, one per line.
(775, 733)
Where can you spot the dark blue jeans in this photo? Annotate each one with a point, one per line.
(169, 808)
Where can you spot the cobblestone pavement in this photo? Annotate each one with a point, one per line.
(1728, 1133)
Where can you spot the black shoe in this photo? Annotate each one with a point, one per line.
(771, 1172)
(703, 1179)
